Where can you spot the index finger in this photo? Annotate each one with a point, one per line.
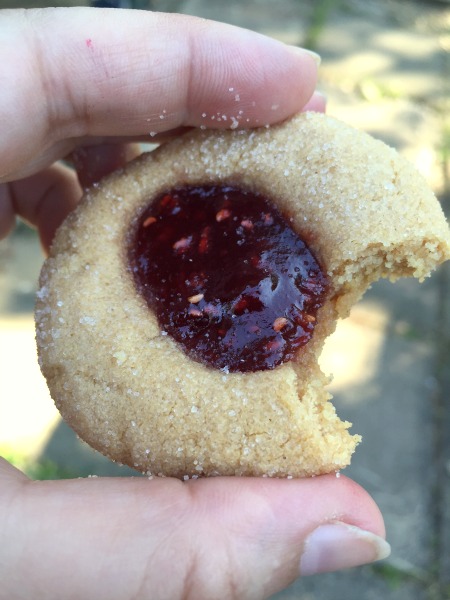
(81, 72)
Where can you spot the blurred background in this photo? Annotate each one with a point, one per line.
(385, 69)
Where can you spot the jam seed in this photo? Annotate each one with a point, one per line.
(273, 345)
(309, 318)
(203, 245)
(195, 312)
(196, 280)
(149, 221)
(182, 244)
(223, 214)
(211, 310)
(168, 201)
(254, 329)
(196, 298)
(279, 323)
(247, 224)
(240, 306)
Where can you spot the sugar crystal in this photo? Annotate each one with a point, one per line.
(87, 321)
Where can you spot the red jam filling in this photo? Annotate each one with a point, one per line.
(227, 277)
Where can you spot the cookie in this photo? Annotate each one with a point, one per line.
(185, 302)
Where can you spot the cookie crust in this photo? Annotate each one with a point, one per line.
(131, 393)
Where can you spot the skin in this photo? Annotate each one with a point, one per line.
(86, 85)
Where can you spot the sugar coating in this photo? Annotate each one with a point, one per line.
(130, 392)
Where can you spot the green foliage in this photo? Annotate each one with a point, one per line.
(321, 12)
(397, 575)
(40, 469)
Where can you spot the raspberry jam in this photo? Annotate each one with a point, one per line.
(227, 277)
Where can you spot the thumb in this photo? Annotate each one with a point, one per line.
(205, 539)
(85, 73)
(274, 531)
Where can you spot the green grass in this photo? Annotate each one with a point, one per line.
(35, 469)
(319, 18)
(396, 576)
(374, 91)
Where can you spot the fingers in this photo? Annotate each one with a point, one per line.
(78, 79)
(43, 200)
(89, 72)
(7, 215)
(46, 198)
(9, 476)
(178, 70)
(216, 538)
(94, 162)
(317, 103)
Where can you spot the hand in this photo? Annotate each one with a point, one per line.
(84, 82)
(94, 78)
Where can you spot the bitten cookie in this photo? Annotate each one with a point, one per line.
(186, 300)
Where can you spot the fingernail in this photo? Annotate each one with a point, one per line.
(297, 50)
(336, 546)
(320, 94)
